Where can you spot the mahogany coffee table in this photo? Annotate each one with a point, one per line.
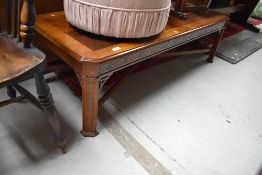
(96, 58)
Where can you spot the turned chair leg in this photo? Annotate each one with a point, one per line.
(47, 102)
(11, 92)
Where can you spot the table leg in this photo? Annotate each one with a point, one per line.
(90, 93)
(215, 46)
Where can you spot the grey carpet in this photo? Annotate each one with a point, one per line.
(238, 47)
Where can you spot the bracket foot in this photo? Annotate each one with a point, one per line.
(89, 134)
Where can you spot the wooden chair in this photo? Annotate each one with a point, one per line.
(20, 61)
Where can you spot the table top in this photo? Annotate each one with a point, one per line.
(85, 47)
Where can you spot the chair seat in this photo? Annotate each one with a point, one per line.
(16, 61)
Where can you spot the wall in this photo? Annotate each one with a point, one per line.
(45, 6)
(42, 6)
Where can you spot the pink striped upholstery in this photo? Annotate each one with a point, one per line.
(119, 18)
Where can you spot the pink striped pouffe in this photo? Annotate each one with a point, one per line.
(119, 18)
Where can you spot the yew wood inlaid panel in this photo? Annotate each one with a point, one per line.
(112, 53)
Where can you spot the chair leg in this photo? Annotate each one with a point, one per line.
(47, 102)
(25, 93)
(11, 92)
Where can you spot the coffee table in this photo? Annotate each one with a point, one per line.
(96, 58)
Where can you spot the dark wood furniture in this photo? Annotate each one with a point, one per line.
(241, 16)
(45, 6)
(20, 61)
(239, 11)
(181, 7)
(241, 8)
(96, 58)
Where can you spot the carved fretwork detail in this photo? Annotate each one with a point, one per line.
(78, 76)
(136, 57)
(103, 80)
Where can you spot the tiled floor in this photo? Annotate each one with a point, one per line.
(184, 117)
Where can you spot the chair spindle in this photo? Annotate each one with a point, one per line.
(19, 21)
(27, 22)
(8, 14)
(15, 19)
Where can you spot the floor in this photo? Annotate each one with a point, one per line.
(184, 117)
